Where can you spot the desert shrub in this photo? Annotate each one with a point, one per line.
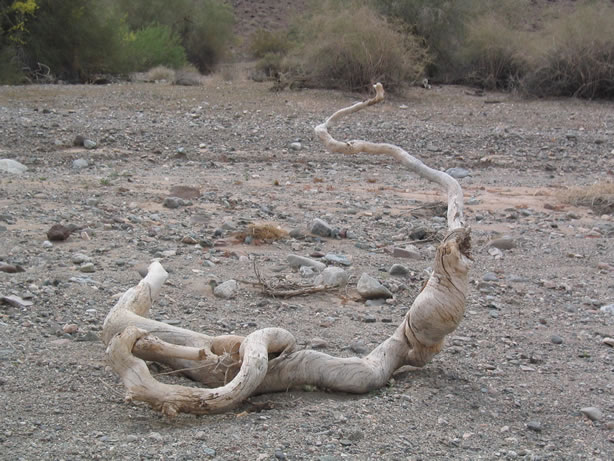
(270, 65)
(492, 54)
(269, 48)
(575, 56)
(264, 42)
(441, 24)
(155, 45)
(351, 47)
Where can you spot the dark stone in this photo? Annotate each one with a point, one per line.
(10, 268)
(58, 233)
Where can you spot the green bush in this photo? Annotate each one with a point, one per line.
(204, 26)
(349, 46)
(155, 45)
(76, 39)
(575, 56)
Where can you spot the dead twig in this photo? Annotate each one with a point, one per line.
(288, 290)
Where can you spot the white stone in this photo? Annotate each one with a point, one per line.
(11, 166)
(226, 290)
(332, 277)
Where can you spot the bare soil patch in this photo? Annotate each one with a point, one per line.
(511, 383)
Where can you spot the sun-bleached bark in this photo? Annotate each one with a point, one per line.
(235, 367)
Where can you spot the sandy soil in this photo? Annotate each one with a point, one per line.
(512, 382)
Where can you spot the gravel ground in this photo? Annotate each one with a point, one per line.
(528, 374)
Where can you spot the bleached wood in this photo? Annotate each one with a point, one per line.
(266, 360)
(449, 184)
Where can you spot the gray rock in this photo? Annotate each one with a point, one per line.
(339, 259)
(296, 146)
(408, 252)
(375, 302)
(321, 228)
(398, 270)
(419, 234)
(15, 301)
(89, 336)
(504, 243)
(359, 347)
(307, 271)
(226, 290)
(87, 267)
(556, 339)
(80, 258)
(80, 163)
(47, 244)
(156, 436)
(534, 426)
(490, 277)
(592, 413)
(89, 144)
(332, 277)
(296, 262)
(356, 436)
(370, 288)
(11, 166)
(172, 202)
(208, 452)
(368, 318)
(298, 234)
(458, 173)
(608, 309)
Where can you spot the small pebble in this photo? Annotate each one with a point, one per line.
(535, 426)
(398, 270)
(556, 339)
(592, 413)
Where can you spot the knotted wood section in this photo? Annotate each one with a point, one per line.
(234, 367)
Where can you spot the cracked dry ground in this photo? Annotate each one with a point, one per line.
(510, 384)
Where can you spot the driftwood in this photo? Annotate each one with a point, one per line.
(234, 367)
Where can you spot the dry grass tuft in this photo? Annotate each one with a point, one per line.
(599, 197)
(267, 232)
(160, 73)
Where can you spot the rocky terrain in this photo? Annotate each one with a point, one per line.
(133, 172)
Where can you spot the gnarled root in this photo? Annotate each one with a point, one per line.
(237, 367)
(173, 399)
(440, 306)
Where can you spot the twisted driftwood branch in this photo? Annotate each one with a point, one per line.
(236, 367)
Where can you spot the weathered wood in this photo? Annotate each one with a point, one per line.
(237, 367)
